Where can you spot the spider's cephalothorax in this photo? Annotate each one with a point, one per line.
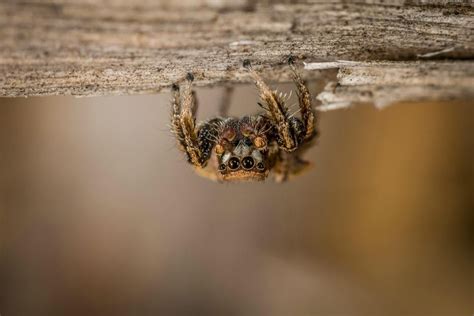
(249, 148)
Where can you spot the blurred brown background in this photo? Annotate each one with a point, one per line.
(100, 214)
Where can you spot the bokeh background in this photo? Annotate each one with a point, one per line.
(101, 215)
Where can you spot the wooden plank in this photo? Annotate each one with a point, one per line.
(85, 48)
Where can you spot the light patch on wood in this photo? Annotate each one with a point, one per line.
(432, 54)
(330, 64)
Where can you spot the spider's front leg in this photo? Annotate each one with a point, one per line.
(292, 131)
(195, 142)
(276, 109)
(307, 112)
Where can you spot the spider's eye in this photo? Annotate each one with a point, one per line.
(233, 163)
(260, 166)
(246, 131)
(259, 142)
(219, 149)
(248, 162)
(221, 167)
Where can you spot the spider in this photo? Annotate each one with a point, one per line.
(248, 148)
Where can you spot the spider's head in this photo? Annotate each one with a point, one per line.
(242, 153)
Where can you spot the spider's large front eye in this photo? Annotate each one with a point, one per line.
(248, 162)
(259, 142)
(233, 163)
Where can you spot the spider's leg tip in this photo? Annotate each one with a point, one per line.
(291, 60)
(246, 63)
(175, 87)
(189, 76)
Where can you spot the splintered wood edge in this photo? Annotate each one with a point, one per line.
(386, 83)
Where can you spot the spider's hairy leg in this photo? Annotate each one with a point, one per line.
(289, 165)
(175, 117)
(304, 97)
(183, 121)
(276, 108)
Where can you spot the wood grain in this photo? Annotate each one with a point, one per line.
(109, 47)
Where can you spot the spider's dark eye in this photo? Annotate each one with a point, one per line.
(260, 166)
(234, 163)
(221, 167)
(248, 163)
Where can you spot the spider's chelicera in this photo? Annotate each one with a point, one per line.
(248, 148)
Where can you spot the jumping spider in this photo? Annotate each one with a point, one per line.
(251, 147)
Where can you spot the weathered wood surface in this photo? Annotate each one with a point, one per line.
(384, 83)
(401, 50)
